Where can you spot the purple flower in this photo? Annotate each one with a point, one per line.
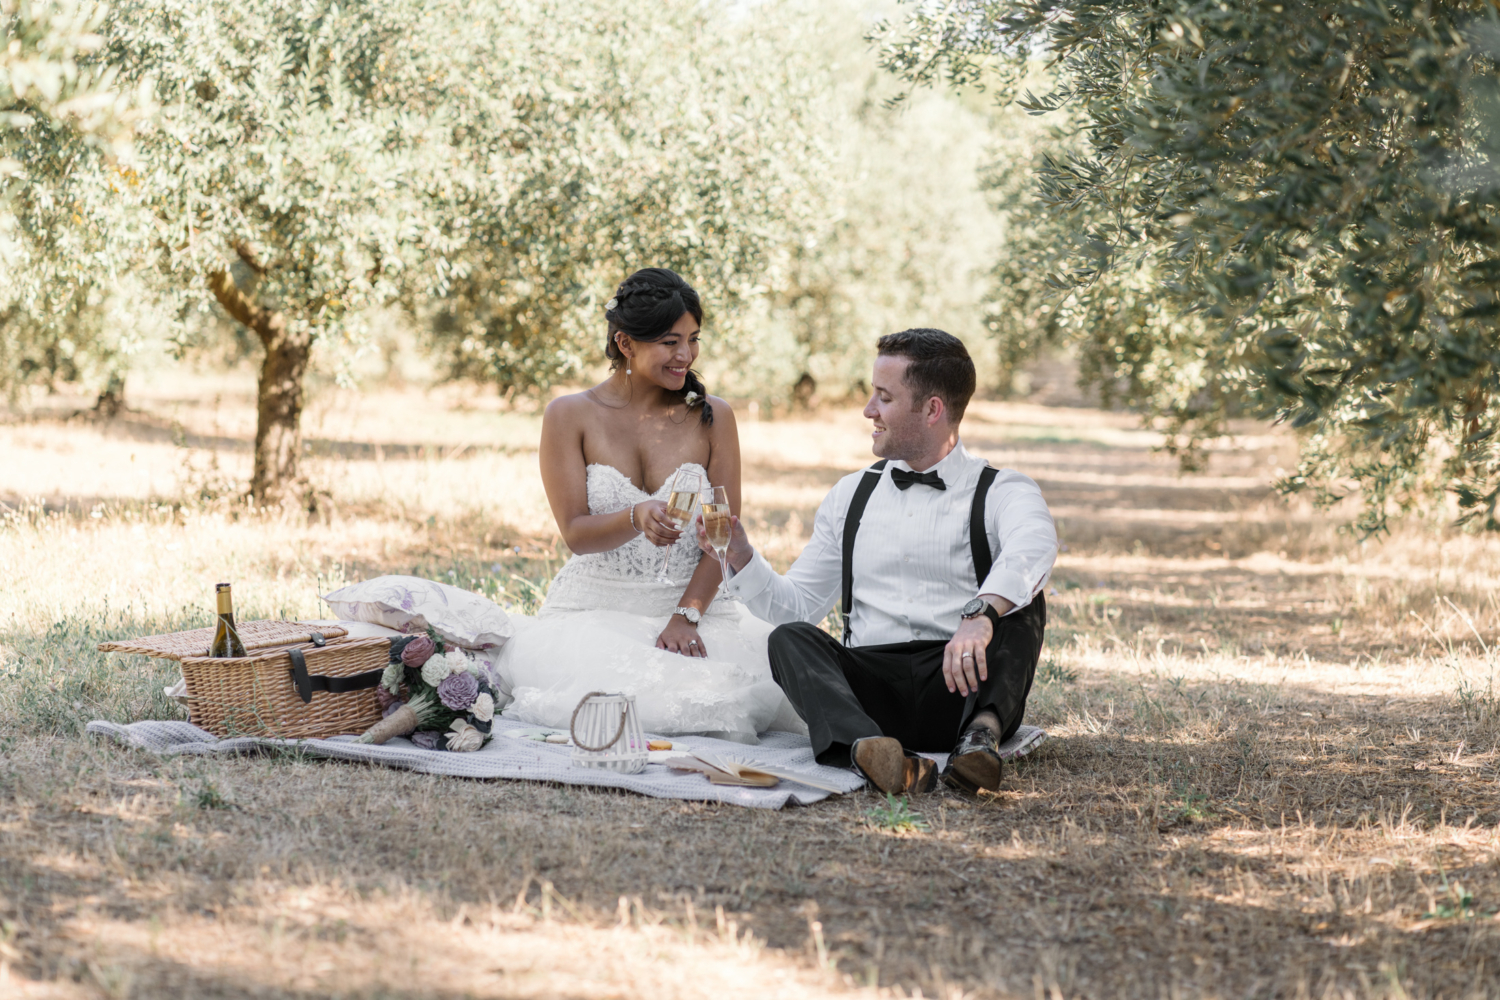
(458, 691)
(385, 699)
(427, 741)
(418, 651)
(386, 713)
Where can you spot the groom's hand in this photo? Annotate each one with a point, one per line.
(963, 657)
(740, 550)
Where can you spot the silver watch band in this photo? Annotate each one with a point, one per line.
(693, 615)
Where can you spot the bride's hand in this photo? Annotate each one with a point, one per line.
(681, 636)
(651, 518)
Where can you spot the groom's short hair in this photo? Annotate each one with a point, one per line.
(940, 366)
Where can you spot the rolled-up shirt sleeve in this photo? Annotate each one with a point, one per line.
(810, 589)
(1025, 537)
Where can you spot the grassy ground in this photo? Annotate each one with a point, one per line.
(1273, 769)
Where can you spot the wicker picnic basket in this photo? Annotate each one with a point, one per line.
(295, 684)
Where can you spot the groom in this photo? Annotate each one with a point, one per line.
(939, 563)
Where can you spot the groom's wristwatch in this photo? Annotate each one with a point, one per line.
(978, 607)
(693, 615)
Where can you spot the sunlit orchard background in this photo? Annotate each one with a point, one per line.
(1252, 367)
(1258, 220)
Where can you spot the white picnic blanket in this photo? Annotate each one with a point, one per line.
(508, 757)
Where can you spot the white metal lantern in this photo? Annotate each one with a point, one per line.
(607, 733)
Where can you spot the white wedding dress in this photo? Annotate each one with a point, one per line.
(597, 632)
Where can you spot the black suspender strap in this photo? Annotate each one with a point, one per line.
(867, 484)
(979, 536)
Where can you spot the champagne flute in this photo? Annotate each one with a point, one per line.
(680, 503)
(716, 523)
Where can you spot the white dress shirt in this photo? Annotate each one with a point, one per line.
(913, 569)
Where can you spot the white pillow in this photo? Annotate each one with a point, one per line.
(456, 615)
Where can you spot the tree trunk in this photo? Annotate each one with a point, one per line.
(278, 405)
(111, 402)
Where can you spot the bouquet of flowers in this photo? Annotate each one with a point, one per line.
(449, 702)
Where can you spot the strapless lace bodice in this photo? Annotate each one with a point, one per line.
(625, 577)
(597, 631)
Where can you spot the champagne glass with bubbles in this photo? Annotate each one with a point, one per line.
(681, 502)
(716, 523)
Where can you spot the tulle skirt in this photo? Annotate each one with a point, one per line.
(600, 635)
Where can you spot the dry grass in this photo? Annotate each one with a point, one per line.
(1274, 767)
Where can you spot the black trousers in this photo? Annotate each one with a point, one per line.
(847, 693)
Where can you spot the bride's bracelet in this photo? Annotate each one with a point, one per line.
(631, 508)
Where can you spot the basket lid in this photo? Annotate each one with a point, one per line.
(195, 642)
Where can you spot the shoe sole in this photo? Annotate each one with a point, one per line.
(974, 771)
(882, 761)
(922, 777)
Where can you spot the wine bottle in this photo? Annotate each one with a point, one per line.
(226, 637)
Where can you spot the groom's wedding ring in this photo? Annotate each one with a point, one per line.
(970, 655)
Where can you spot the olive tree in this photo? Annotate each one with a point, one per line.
(495, 169)
(490, 165)
(288, 176)
(617, 141)
(59, 105)
(45, 71)
(1287, 208)
(758, 159)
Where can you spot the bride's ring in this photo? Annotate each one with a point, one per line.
(692, 642)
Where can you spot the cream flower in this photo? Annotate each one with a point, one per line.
(436, 670)
(464, 738)
(483, 708)
(458, 662)
(392, 678)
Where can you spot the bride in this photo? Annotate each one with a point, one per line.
(608, 459)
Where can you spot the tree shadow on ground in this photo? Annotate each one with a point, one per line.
(152, 429)
(1214, 837)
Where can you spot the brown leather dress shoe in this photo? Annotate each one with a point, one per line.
(890, 768)
(975, 762)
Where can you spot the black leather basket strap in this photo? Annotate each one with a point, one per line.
(307, 683)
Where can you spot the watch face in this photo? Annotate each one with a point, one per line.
(972, 608)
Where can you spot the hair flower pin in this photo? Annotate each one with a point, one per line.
(611, 305)
(693, 399)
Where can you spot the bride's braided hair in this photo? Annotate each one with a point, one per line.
(646, 306)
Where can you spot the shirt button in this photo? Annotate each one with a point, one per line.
(908, 513)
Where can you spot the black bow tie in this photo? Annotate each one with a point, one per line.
(904, 479)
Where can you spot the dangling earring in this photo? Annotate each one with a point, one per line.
(627, 371)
